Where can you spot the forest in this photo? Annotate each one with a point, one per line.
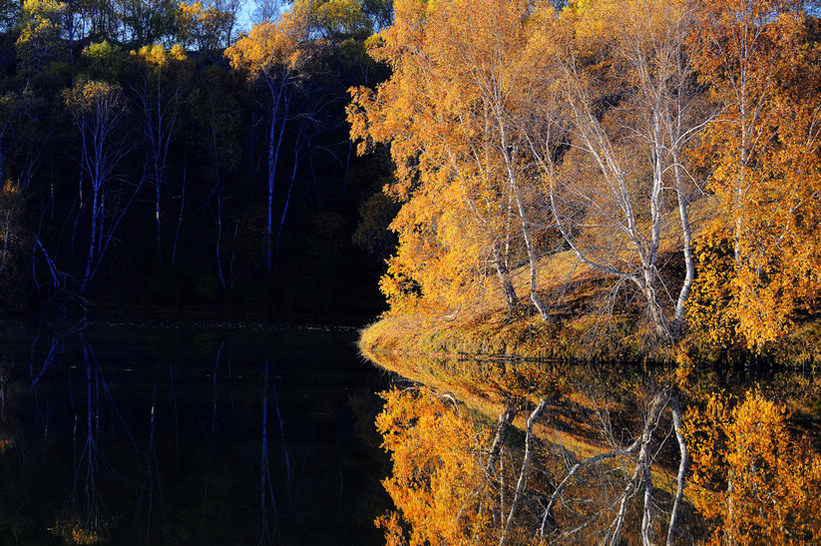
(606, 206)
(155, 156)
(649, 167)
(627, 190)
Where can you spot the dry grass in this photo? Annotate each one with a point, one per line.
(592, 316)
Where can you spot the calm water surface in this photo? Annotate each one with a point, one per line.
(164, 434)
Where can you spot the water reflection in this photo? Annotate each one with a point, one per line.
(598, 455)
(145, 435)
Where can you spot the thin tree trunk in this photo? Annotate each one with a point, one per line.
(274, 146)
(92, 243)
(537, 301)
(689, 260)
(520, 485)
(285, 210)
(502, 271)
(684, 462)
(642, 473)
(505, 420)
(650, 286)
(182, 208)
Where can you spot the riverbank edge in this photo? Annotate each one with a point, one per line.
(615, 339)
(432, 354)
(440, 373)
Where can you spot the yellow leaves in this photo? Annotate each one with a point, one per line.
(152, 55)
(759, 482)
(437, 484)
(10, 190)
(92, 96)
(711, 308)
(763, 153)
(177, 53)
(157, 57)
(39, 19)
(270, 46)
(39, 42)
(474, 81)
(100, 50)
(449, 112)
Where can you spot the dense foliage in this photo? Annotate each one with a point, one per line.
(524, 134)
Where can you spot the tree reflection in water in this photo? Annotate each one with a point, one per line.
(600, 457)
(109, 438)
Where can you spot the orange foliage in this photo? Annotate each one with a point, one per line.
(503, 117)
(438, 484)
(763, 151)
(759, 483)
(712, 310)
(449, 113)
(270, 47)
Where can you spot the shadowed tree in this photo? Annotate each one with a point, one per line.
(161, 76)
(273, 53)
(98, 112)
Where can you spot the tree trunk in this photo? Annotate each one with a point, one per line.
(679, 319)
(541, 306)
(500, 265)
(655, 310)
(274, 146)
(92, 242)
(505, 420)
(684, 463)
(520, 485)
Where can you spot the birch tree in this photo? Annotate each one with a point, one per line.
(160, 80)
(627, 108)
(98, 112)
(761, 64)
(272, 53)
(451, 113)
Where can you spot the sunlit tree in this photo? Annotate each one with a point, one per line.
(761, 67)
(452, 113)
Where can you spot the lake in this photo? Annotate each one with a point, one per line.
(172, 433)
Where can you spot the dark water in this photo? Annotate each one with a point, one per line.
(129, 434)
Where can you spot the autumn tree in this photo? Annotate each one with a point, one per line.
(160, 77)
(438, 483)
(761, 66)
(451, 112)
(39, 43)
(627, 103)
